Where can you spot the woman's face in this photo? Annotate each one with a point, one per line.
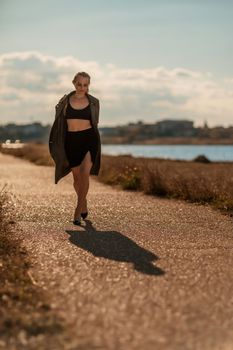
(81, 85)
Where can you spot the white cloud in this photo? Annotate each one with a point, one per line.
(32, 83)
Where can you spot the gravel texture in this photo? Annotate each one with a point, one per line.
(141, 273)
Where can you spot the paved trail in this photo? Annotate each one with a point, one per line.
(143, 273)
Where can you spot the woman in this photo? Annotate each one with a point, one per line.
(74, 140)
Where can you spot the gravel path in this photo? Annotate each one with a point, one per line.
(143, 273)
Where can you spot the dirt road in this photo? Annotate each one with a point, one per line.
(142, 273)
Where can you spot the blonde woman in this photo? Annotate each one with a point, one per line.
(74, 140)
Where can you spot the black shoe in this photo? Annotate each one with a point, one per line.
(77, 222)
(84, 215)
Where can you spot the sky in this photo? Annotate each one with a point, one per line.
(148, 60)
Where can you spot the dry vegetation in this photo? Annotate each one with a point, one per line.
(36, 153)
(26, 318)
(193, 181)
(196, 182)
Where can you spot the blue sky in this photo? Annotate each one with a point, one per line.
(183, 48)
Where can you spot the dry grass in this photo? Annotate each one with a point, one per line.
(35, 153)
(197, 182)
(26, 317)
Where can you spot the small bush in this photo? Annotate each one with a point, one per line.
(202, 159)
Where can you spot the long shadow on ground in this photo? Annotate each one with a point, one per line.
(115, 246)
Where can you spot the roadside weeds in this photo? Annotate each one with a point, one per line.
(27, 319)
(193, 181)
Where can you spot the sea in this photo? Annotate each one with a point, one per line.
(181, 152)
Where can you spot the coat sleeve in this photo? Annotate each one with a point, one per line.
(97, 110)
(59, 106)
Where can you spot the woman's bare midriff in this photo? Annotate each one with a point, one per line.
(78, 124)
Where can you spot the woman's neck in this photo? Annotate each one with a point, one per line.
(78, 96)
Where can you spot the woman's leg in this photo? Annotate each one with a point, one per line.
(85, 169)
(76, 178)
(81, 183)
(76, 184)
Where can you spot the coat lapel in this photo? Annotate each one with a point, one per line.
(92, 106)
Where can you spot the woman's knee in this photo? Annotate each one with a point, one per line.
(86, 165)
(85, 172)
(76, 174)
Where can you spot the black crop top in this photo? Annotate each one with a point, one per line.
(72, 113)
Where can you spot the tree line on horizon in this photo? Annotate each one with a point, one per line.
(130, 132)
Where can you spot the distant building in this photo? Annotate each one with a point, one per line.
(171, 127)
(108, 131)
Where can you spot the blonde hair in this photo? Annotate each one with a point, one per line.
(82, 74)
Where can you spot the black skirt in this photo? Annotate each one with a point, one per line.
(78, 143)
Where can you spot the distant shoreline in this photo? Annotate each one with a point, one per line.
(166, 141)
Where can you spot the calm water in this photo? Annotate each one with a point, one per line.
(187, 152)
